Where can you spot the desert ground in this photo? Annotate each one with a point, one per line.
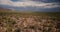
(29, 22)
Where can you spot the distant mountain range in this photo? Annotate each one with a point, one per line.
(38, 9)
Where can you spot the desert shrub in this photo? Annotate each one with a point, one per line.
(18, 30)
(11, 22)
(9, 29)
(58, 25)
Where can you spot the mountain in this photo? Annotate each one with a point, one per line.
(3, 9)
(29, 8)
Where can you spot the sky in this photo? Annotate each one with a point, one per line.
(32, 5)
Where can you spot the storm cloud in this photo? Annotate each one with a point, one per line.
(32, 3)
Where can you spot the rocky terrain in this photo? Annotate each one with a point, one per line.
(32, 23)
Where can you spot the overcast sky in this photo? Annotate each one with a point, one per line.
(31, 4)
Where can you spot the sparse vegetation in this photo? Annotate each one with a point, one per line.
(29, 22)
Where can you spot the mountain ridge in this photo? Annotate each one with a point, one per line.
(33, 9)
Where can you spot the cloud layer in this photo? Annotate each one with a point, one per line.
(47, 1)
(24, 3)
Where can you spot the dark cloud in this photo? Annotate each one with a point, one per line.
(47, 1)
